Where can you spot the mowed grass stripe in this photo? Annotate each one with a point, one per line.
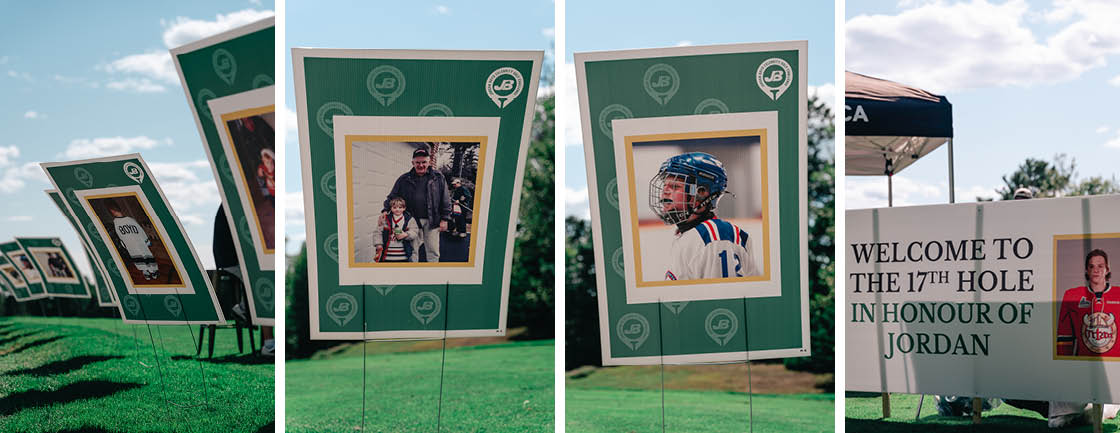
(864, 412)
(80, 374)
(495, 388)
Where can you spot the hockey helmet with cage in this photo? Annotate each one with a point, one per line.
(691, 173)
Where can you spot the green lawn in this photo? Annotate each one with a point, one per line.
(495, 388)
(624, 411)
(864, 414)
(100, 375)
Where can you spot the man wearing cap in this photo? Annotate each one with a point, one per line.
(424, 191)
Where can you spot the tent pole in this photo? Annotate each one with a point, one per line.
(890, 190)
(952, 190)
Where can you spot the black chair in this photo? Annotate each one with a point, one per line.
(230, 292)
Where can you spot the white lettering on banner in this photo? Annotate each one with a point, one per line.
(858, 116)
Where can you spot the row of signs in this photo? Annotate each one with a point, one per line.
(141, 257)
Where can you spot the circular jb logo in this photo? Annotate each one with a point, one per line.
(711, 106)
(774, 76)
(173, 306)
(436, 109)
(504, 85)
(327, 185)
(224, 65)
(341, 308)
(134, 172)
(385, 83)
(661, 82)
(330, 246)
(132, 305)
(609, 113)
(633, 330)
(263, 291)
(324, 117)
(425, 306)
(201, 100)
(721, 324)
(1099, 331)
(83, 176)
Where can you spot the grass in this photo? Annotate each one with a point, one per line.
(491, 388)
(101, 375)
(864, 411)
(708, 398)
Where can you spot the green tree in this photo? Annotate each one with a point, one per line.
(532, 298)
(1054, 179)
(581, 324)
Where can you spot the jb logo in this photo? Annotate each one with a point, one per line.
(172, 304)
(264, 292)
(325, 116)
(262, 80)
(711, 106)
(134, 172)
(132, 305)
(612, 192)
(330, 246)
(224, 65)
(83, 176)
(661, 82)
(327, 185)
(617, 262)
(721, 325)
(612, 112)
(436, 110)
(386, 84)
(773, 77)
(632, 329)
(201, 104)
(341, 308)
(504, 85)
(425, 306)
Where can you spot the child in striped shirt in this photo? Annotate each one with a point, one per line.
(395, 234)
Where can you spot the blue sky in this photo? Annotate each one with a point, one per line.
(601, 25)
(448, 25)
(1026, 79)
(92, 79)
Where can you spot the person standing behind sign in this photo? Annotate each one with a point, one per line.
(428, 201)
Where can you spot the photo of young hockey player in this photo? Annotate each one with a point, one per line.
(705, 207)
(253, 140)
(430, 183)
(24, 263)
(136, 241)
(1087, 313)
(57, 268)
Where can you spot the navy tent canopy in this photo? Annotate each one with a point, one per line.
(889, 126)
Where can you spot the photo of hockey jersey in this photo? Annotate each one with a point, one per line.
(713, 249)
(135, 241)
(1087, 322)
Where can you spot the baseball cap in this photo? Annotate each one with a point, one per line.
(420, 152)
(1023, 194)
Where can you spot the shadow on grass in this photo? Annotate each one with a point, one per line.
(87, 429)
(31, 345)
(944, 424)
(7, 340)
(73, 392)
(268, 428)
(247, 359)
(61, 367)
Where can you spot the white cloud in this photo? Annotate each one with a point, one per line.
(684, 43)
(183, 30)
(1115, 81)
(826, 93)
(256, 2)
(291, 123)
(442, 10)
(944, 46)
(21, 75)
(567, 106)
(7, 155)
(75, 80)
(153, 64)
(1102, 129)
(19, 218)
(549, 32)
(577, 203)
(871, 191)
(192, 219)
(1114, 142)
(32, 114)
(139, 70)
(177, 171)
(293, 208)
(186, 195)
(105, 146)
(142, 85)
(14, 178)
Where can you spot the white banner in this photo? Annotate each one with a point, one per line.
(1006, 299)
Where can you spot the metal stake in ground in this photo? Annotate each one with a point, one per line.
(443, 355)
(747, 357)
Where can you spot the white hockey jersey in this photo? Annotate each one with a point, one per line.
(133, 237)
(713, 249)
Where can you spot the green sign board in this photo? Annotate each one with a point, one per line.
(151, 263)
(102, 290)
(387, 259)
(14, 281)
(696, 163)
(56, 268)
(20, 269)
(228, 81)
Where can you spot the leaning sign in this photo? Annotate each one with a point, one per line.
(696, 163)
(152, 265)
(102, 290)
(228, 80)
(56, 267)
(972, 299)
(412, 165)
